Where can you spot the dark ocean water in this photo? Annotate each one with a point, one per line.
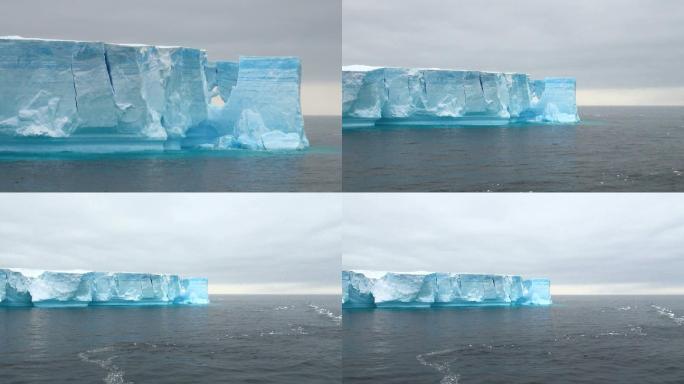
(236, 339)
(612, 149)
(579, 339)
(316, 169)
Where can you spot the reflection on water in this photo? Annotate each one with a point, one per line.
(612, 149)
(315, 169)
(579, 339)
(234, 339)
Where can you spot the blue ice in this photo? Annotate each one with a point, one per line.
(26, 288)
(376, 289)
(58, 95)
(379, 95)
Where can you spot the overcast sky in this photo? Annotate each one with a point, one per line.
(585, 243)
(310, 29)
(620, 51)
(244, 243)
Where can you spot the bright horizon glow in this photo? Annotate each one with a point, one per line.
(664, 96)
(273, 289)
(614, 290)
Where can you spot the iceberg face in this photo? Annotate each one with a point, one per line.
(81, 289)
(99, 97)
(263, 107)
(363, 289)
(376, 96)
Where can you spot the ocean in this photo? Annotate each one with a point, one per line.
(579, 339)
(235, 339)
(613, 149)
(317, 168)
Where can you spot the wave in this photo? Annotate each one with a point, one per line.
(667, 312)
(327, 313)
(441, 367)
(115, 375)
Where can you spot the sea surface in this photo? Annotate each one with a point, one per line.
(579, 339)
(612, 149)
(235, 339)
(317, 168)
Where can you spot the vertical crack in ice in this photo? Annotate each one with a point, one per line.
(73, 79)
(479, 77)
(109, 68)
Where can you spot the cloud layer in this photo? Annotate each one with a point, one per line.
(310, 29)
(585, 243)
(608, 44)
(268, 243)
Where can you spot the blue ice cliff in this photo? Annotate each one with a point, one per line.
(373, 289)
(378, 95)
(59, 95)
(26, 288)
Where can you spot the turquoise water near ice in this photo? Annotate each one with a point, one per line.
(317, 168)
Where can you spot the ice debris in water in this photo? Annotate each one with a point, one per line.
(371, 289)
(379, 95)
(25, 288)
(58, 95)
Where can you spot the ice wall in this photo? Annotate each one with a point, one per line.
(21, 287)
(93, 96)
(371, 289)
(378, 95)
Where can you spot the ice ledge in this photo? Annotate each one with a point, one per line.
(77, 288)
(380, 289)
(79, 96)
(448, 97)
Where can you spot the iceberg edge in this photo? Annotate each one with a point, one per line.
(441, 97)
(69, 289)
(374, 289)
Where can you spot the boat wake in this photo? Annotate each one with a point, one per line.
(104, 359)
(442, 367)
(327, 313)
(666, 312)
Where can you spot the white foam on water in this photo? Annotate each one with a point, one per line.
(441, 367)
(327, 313)
(667, 312)
(115, 375)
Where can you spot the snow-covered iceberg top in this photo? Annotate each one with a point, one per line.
(27, 287)
(377, 289)
(95, 96)
(433, 96)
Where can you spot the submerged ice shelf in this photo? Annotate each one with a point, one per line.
(59, 95)
(374, 289)
(410, 96)
(26, 288)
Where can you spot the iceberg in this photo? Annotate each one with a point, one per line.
(37, 288)
(61, 95)
(373, 289)
(414, 96)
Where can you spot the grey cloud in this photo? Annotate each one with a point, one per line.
(306, 28)
(310, 29)
(604, 44)
(230, 238)
(573, 239)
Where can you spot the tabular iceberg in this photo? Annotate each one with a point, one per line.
(409, 96)
(59, 95)
(372, 289)
(26, 288)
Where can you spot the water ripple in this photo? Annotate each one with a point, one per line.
(115, 375)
